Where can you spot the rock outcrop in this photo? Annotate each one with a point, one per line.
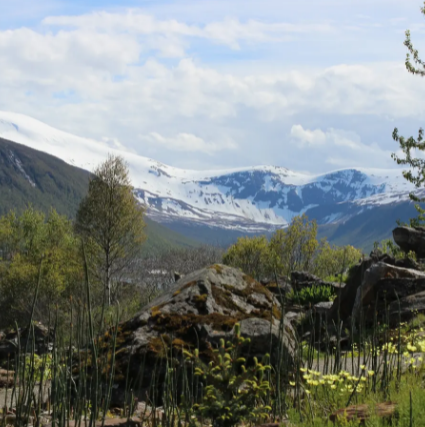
(281, 288)
(9, 341)
(410, 239)
(374, 276)
(196, 312)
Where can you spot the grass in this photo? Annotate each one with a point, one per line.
(382, 372)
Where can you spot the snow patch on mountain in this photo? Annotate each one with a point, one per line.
(245, 198)
(17, 162)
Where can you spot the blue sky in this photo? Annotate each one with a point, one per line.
(310, 85)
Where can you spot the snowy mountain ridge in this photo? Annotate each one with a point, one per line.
(252, 198)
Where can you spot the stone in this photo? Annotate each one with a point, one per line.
(323, 308)
(363, 412)
(410, 239)
(383, 284)
(196, 312)
(9, 341)
(281, 288)
(407, 308)
(344, 302)
(7, 378)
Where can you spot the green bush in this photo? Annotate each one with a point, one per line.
(233, 393)
(390, 248)
(312, 295)
(294, 248)
(337, 278)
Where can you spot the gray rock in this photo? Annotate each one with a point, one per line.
(323, 307)
(346, 297)
(344, 302)
(281, 288)
(411, 239)
(43, 339)
(407, 308)
(199, 310)
(383, 284)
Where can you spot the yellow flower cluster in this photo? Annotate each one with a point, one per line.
(342, 383)
(389, 347)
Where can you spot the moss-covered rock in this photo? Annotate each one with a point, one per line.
(196, 312)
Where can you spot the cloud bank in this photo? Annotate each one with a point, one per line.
(228, 92)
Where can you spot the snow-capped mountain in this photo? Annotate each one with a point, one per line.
(253, 198)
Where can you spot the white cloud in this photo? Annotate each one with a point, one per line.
(187, 142)
(309, 137)
(341, 148)
(317, 137)
(228, 32)
(104, 74)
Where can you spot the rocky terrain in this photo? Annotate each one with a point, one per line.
(204, 306)
(196, 312)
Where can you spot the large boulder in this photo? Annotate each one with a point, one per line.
(344, 301)
(384, 284)
(196, 312)
(346, 297)
(11, 340)
(407, 307)
(280, 287)
(411, 239)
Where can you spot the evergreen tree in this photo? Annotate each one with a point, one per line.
(111, 221)
(417, 173)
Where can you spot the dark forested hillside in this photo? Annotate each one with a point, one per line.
(29, 176)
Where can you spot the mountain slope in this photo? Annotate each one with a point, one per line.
(257, 198)
(28, 176)
(31, 176)
(160, 239)
(373, 225)
(356, 205)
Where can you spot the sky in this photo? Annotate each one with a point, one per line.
(311, 85)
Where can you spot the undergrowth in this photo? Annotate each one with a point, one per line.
(375, 366)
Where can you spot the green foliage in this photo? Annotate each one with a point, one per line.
(34, 246)
(312, 295)
(233, 392)
(295, 248)
(332, 261)
(416, 173)
(38, 367)
(251, 255)
(111, 222)
(390, 248)
(337, 278)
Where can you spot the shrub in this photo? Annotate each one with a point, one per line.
(312, 295)
(294, 248)
(251, 255)
(233, 392)
(390, 248)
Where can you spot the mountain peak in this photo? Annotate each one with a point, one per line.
(259, 197)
